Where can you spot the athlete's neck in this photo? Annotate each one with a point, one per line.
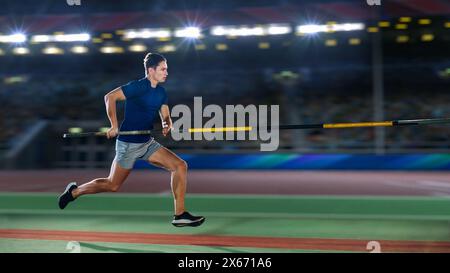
(153, 82)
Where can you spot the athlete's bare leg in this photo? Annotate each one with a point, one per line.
(111, 183)
(168, 160)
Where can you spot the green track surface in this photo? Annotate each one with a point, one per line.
(339, 217)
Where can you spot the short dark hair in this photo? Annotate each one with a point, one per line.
(152, 60)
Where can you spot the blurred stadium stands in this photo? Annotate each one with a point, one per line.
(321, 77)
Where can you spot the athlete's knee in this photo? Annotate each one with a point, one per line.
(114, 187)
(181, 165)
(103, 180)
(110, 185)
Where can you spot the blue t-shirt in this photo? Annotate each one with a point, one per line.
(142, 105)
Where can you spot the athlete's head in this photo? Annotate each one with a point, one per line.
(156, 67)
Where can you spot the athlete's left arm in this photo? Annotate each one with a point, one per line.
(166, 121)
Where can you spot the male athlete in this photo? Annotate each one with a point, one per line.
(144, 99)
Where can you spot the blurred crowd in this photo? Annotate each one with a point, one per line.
(72, 98)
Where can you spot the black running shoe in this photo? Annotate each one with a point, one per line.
(187, 219)
(66, 196)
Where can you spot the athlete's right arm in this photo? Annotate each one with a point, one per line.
(110, 101)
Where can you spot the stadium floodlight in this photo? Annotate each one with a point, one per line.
(13, 38)
(188, 32)
(384, 24)
(147, 33)
(79, 49)
(260, 30)
(402, 39)
(131, 34)
(247, 31)
(311, 29)
(200, 47)
(40, 38)
(237, 31)
(137, 48)
(21, 51)
(81, 37)
(405, 19)
(278, 29)
(424, 21)
(111, 50)
(347, 27)
(221, 47)
(52, 50)
(264, 45)
(218, 31)
(427, 37)
(354, 41)
(331, 42)
(168, 48)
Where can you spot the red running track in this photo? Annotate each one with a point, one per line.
(245, 182)
(227, 241)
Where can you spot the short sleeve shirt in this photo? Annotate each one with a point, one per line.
(142, 106)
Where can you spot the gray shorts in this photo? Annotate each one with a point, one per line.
(127, 153)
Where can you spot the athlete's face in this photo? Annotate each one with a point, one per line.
(160, 73)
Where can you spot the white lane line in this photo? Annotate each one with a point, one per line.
(437, 184)
(430, 188)
(247, 215)
(440, 194)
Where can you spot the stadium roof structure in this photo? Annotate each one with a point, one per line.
(48, 16)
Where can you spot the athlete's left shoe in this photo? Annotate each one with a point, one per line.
(187, 219)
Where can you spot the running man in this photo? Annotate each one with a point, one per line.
(144, 99)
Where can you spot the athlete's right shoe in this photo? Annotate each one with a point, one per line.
(187, 219)
(66, 197)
